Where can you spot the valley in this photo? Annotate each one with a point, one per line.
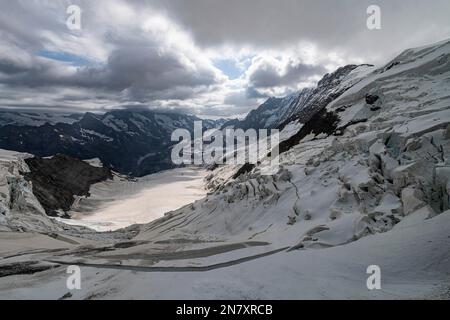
(363, 179)
(121, 202)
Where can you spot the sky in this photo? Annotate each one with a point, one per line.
(212, 58)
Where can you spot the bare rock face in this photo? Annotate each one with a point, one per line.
(57, 180)
(371, 99)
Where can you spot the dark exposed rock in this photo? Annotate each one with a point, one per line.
(57, 180)
(128, 244)
(317, 99)
(371, 98)
(66, 296)
(26, 267)
(244, 169)
(391, 65)
(322, 122)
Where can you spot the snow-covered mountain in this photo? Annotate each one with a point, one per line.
(364, 179)
(302, 105)
(131, 142)
(270, 114)
(34, 118)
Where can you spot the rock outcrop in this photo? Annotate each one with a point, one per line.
(57, 180)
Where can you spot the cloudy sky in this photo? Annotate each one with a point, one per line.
(207, 57)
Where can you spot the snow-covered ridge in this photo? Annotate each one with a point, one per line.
(301, 106)
(36, 118)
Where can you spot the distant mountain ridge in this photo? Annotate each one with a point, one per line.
(36, 118)
(128, 141)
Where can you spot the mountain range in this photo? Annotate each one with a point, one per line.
(130, 142)
(137, 142)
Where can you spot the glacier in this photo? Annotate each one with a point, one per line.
(364, 180)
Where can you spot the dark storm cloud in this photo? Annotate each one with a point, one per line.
(139, 65)
(142, 68)
(140, 72)
(168, 65)
(271, 23)
(266, 75)
(10, 67)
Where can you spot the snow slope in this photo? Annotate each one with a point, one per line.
(414, 262)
